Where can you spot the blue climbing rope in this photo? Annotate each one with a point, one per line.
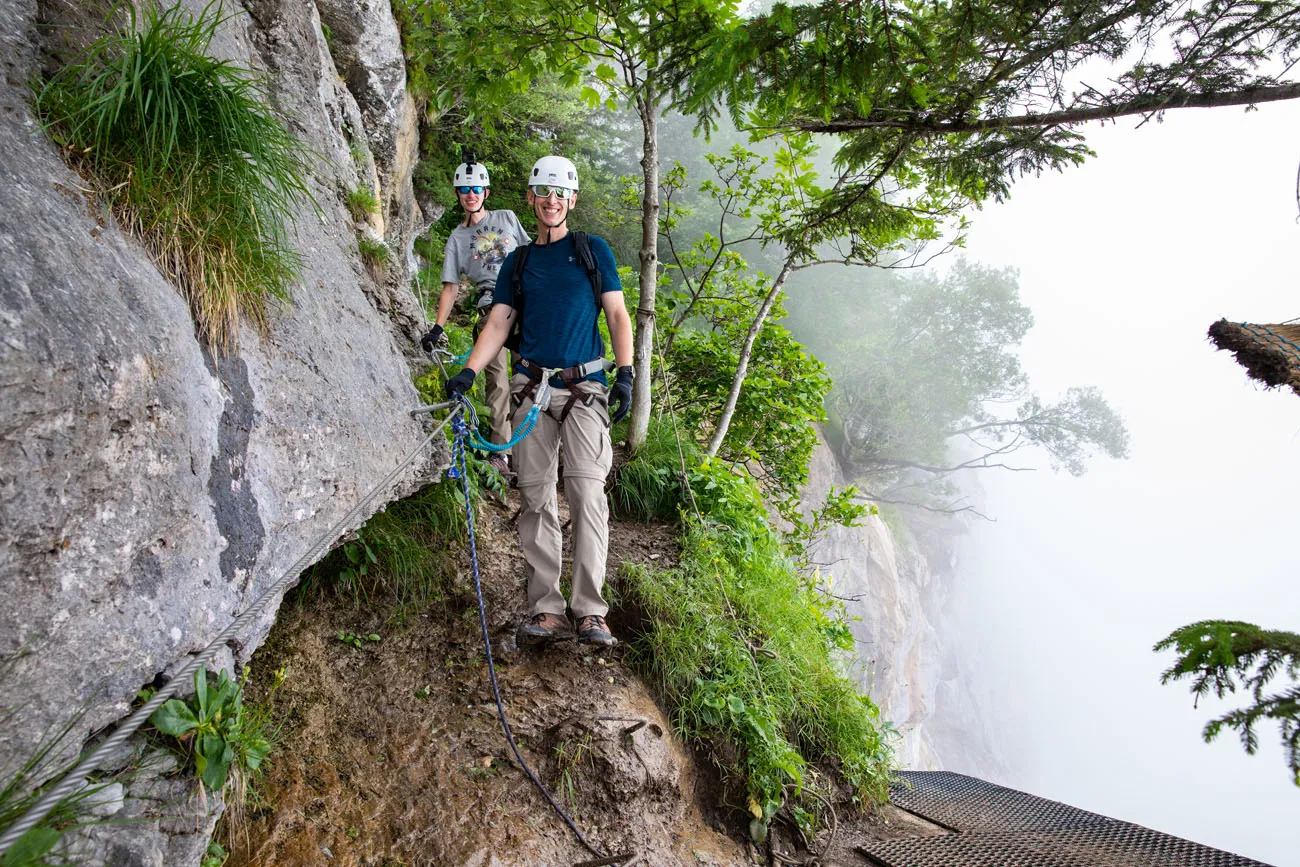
(459, 469)
(1277, 340)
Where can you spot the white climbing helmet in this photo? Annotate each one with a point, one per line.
(554, 172)
(470, 175)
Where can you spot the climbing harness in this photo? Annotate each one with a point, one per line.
(540, 405)
(74, 779)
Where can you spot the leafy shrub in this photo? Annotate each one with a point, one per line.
(185, 151)
(771, 431)
(214, 729)
(742, 649)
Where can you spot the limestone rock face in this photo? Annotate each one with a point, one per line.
(907, 657)
(149, 488)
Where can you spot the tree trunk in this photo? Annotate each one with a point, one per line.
(747, 349)
(643, 346)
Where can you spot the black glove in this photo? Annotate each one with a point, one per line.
(620, 394)
(432, 338)
(461, 382)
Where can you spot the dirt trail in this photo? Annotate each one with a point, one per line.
(391, 753)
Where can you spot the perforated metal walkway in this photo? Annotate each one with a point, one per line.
(998, 827)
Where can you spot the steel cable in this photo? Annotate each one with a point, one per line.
(72, 779)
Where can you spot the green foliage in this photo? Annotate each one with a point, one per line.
(214, 730)
(362, 203)
(357, 640)
(651, 485)
(184, 149)
(742, 650)
(374, 252)
(403, 551)
(957, 98)
(214, 856)
(772, 429)
(1215, 654)
(843, 508)
(571, 757)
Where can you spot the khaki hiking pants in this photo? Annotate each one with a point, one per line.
(496, 388)
(588, 456)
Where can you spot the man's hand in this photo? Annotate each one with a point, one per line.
(620, 394)
(434, 337)
(461, 382)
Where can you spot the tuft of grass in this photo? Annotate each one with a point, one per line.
(651, 485)
(406, 551)
(745, 652)
(374, 252)
(19, 791)
(186, 151)
(362, 203)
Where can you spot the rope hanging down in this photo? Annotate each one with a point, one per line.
(459, 469)
(73, 779)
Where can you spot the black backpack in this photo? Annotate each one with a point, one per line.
(582, 243)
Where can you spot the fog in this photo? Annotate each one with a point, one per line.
(1125, 263)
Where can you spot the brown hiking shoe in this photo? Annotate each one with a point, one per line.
(545, 628)
(593, 629)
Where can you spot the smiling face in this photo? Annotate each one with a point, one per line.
(552, 212)
(471, 202)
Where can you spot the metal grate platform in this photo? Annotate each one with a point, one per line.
(963, 803)
(1000, 827)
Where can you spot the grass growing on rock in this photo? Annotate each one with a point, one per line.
(185, 150)
(743, 649)
(401, 552)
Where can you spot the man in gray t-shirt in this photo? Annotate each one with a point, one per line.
(471, 261)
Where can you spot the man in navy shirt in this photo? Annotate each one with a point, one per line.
(560, 339)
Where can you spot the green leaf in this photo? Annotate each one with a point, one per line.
(174, 718)
(213, 758)
(28, 849)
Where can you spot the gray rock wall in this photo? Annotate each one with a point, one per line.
(908, 657)
(149, 489)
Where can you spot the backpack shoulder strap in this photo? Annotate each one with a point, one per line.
(582, 241)
(517, 275)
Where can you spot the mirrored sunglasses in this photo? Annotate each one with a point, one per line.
(541, 191)
(465, 191)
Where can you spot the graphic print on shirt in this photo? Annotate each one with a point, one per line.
(490, 246)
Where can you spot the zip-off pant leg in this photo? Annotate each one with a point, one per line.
(588, 456)
(496, 388)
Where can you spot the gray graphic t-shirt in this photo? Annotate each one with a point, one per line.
(474, 253)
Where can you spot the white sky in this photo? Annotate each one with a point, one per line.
(1125, 263)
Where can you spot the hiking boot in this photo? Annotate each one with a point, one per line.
(543, 629)
(593, 629)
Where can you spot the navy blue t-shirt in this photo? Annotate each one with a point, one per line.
(559, 320)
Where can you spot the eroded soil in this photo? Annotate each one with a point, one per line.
(391, 752)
